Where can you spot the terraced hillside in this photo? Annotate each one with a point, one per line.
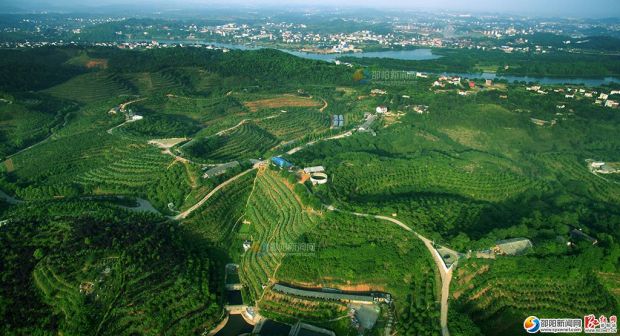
(296, 123)
(134, 168)
(367, 254)
(92, 87)
(573, 171)
(144, 281)
(276, 218)
(29, 118)
(221, 216)
(431, 173)
(346, 245)
(497, 298)
(154, 82)
(102, 164)
(244, 142)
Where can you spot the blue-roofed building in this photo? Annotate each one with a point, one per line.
(280, 162)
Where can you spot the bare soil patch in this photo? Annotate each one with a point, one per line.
(166, 143)
(97, 63)
(279, 102)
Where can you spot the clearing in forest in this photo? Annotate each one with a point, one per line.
(166, 143)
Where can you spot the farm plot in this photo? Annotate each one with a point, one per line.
(432, 173)
(277, 218)
(92, 87)
(244, 142)
(150, 82)
(217, 219)
(573, 171)
(95, 163)
(135, 168)
(350, 255)
(494, 292)
(292, 308)
(296, 123)
(281, 102)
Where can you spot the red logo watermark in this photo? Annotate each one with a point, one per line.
(600, 325)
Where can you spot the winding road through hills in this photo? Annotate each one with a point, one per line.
(445, 272)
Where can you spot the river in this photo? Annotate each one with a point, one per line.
(420, 55)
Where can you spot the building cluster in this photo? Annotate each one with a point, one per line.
(600, 98)
(443, 80)
(602, 168)
(509, 34)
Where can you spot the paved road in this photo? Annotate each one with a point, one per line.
(446, 273)
(187, 212)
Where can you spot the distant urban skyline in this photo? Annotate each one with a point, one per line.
(548, 8)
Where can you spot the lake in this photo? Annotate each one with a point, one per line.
(408, 55)
(420, 55)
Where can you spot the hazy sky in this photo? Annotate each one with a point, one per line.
(558, 8)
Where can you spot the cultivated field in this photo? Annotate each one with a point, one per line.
(281, 102)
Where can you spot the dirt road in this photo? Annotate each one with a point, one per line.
(445, 273)
(187, 212)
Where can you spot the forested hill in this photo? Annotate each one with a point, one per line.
(83, 268)
(40, 68)
(262, 65)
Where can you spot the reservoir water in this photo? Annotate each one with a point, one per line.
(427, 54)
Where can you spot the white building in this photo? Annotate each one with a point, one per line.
(246, 245)
(315, 169)
(381, 109)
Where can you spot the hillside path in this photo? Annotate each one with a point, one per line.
(187, 212)
(446, 273)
